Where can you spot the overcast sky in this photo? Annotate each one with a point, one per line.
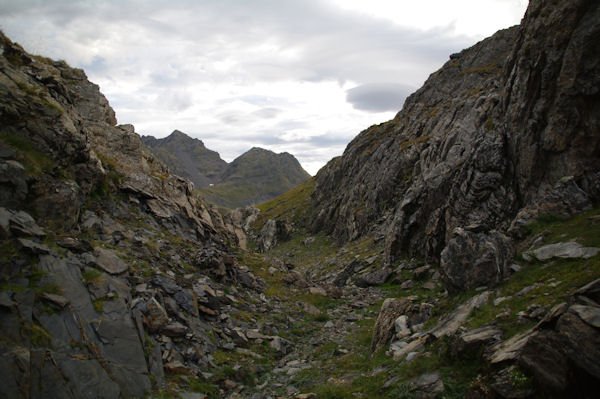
(302, 76)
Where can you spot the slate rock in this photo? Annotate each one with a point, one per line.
(374, 278)
(75, 245)
(168, 285)
(22, 224)
(564, 250)
(107, 260)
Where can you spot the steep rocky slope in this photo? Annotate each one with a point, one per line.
(503, 131)
(256, 176)
(188, 157)
(113, 272)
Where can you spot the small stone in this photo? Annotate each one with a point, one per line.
(34, 247)
(230, 384)
(329, 324)
(498, 301)
(515, 268)
(317, 291)
(56, 299)
(141, 288)
(176, 367)
(5, 300)
(310, 309)
(408, 284)
(175, 329)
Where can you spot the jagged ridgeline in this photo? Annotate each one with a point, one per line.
(451, 252)
(256, 176)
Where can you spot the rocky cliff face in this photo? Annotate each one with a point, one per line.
(112, 269)
(505, 130)
(188, 157)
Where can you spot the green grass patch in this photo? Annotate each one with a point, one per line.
(34, 160)
(293, 206)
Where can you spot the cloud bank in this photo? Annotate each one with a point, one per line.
(302, 76)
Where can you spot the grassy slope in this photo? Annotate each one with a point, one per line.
(344, 376)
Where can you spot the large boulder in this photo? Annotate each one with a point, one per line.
(475, 259)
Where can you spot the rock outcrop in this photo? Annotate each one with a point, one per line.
(507, 129)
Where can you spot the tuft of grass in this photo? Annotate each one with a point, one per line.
(34, 160)
(91, 275)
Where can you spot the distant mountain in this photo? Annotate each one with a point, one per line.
(255, 176)
(188, 157)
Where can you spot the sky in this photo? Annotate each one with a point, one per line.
(297, 76)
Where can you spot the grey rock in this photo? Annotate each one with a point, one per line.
(22, 224)
(504, 386)
(280, 345)
(5, 223)
(452, 322)
(166, 284)
(13, 183)
(474, 259)
(589, 314)
(564, 250)
(107, 260)
(427, 385)
(34, 247)
(471, 341)
(383, 331)
(374, 278)
(401, 327)
(175, 329)
(56, 299)
(272, 232)
(74, 244)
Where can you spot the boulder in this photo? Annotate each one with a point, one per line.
(472, 260)
(272, 232)
(384, 329)
(374, 278)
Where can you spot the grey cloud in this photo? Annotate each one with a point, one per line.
(267, 113)
(378, 97)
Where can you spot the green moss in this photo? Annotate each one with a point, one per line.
(489, 124)
(201, 385)
(38, 335)
(294, 206)
(99, 304)
(34, 160)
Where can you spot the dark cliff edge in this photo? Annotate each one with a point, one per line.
(505, 131)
